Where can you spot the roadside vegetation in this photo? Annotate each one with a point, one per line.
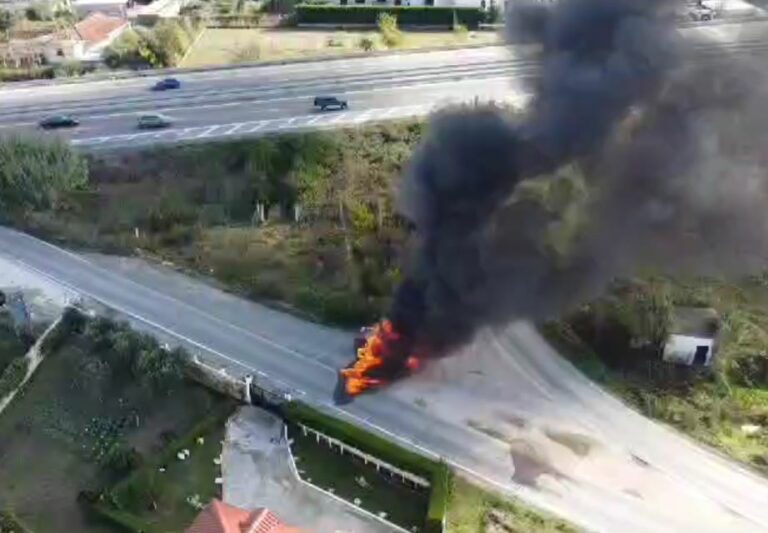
(362, 484)
(618, 341)
(307, 221)
(104, 403)
(11, 344)
(222, 46)
(472, 509)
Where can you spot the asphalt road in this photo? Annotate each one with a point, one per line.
(506, 412)
(259, 100)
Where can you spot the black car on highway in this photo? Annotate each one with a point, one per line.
(329, 102)
(166, 84)
(58, 121)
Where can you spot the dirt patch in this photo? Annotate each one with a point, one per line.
(578, 444)
(530, 464)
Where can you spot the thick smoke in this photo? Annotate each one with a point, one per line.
(619, 99)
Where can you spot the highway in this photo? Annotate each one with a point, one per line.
(260, 100)
(510, 412)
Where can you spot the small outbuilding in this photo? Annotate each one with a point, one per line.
(693, 336)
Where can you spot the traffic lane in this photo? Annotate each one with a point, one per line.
(379, 108)
(313, 88)
(255, 76)
(715, 33)
(185, 320)
(149, 101)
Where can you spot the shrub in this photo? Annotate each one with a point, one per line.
(10, 523)
(366, 44)
(390, 34)
(438, 499)
(437, 472)
(25, 74)
(417, 16)
(35, 173)
(13, 375)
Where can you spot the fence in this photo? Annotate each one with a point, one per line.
(367, 458)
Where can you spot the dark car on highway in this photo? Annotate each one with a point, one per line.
(58, 121)
(329, 102)
(167, 83)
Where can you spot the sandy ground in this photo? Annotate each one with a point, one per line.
(257, 473)
(228, 46)
(44, 299)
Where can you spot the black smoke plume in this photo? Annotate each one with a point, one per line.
(620, 99)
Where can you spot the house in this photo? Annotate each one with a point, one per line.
(86, 40)
(115, 8)
(693, 336)
(220, 517)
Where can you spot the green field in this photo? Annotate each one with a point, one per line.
(77, 427)
(350, 478)
(168, 492)
(11, 346)
(229, 46)
(474, 510)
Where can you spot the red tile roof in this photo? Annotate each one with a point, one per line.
(97, 26)
(219, 517)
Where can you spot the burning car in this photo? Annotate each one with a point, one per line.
(382, 355)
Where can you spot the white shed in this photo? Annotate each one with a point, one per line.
(693, 336)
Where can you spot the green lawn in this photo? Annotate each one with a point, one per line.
(166, 496)
(350, 478)
(228, 46)
(58, 433)
(11, 346)
(474, 510)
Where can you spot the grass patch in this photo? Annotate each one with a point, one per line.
(11, 346)
(436, 472)
(227, 46)
(168, 493)
(474, 510)
(75, 428)
(198, 207)
(726, 406)
(350, 478)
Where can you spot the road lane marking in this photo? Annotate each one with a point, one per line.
(233, 129)
(207, 131)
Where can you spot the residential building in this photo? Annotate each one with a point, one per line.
(84, 42)
(220, 517)
(693, 336)
(115, 8)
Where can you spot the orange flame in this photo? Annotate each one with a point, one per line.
(370, 357)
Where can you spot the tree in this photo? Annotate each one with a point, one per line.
(35, 173)
(168, 41)
(366, 44)
(645, 310)
(390, 33)
(7, 20)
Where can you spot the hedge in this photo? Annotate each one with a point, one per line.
(13, 375)
(72, 321)
(9, 522)
(437, 472)
(109, 508)
(406, 15)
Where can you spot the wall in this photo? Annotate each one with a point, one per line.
(682, 349)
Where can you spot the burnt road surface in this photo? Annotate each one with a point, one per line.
(259, 100)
